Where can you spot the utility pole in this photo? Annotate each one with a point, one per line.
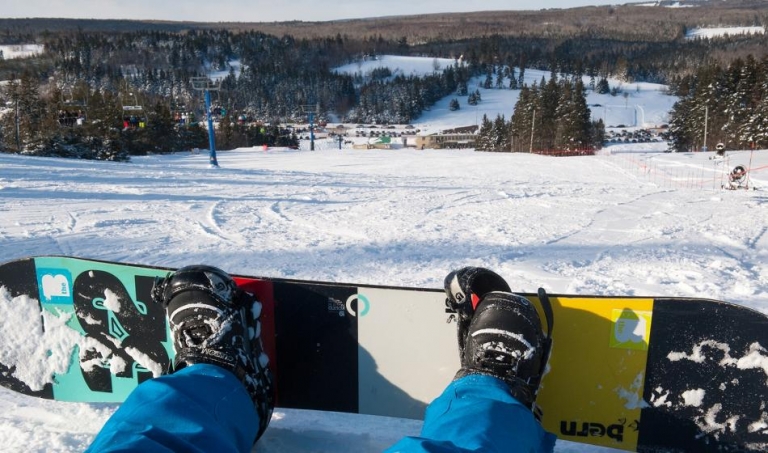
(205, 84)
(706, 121)
(18, 129)
(533, 128)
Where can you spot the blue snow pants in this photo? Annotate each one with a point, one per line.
(477, 413)
(200, 408)
(203, 408)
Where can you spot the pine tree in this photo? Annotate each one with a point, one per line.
(32, 121)
(521, 121)
(602, 86)
(500, 134)
(546, 121)
(513, 81)
(499, 80)
(160, 130)
(487, 83)
(484, 135)
(682, 137)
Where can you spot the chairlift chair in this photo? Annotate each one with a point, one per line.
(72, 113)
(134, 117)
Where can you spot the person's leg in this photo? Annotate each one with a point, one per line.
(491, 404)
(477, 413)
(219, 394)
(200, 408)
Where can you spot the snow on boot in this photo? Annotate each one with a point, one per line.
(505, 340)
(464, 288)
(499, 333)
(213, 321)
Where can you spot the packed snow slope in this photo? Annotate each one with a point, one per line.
(625, 223)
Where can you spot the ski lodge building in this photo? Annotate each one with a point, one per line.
(441, 141)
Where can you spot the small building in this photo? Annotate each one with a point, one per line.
(443, 141)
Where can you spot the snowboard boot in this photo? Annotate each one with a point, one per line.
(464, 289)
(500, 333)
(213, 321)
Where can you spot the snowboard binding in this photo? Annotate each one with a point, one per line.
(213, 321)
(500, 333)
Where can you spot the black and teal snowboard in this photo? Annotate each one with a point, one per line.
(644, 374)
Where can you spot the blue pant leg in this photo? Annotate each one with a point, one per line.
(201, 408)
(477, 413)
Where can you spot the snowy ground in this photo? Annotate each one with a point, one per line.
(626, 223)
(11, 51)
(700, 33)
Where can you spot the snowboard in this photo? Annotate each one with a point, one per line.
(646, 374)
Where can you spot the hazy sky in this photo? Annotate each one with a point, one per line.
(263, 11)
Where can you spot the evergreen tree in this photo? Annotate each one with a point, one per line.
(573, 118)
(487, 83)
(463, 89)
(31, 122)
(513, 82)
(521, 121)
(680, 127)
(484, 135)
(603, 87)
(160, 130)
(546, 121)
(500, 134)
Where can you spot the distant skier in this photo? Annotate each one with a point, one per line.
(218, 395)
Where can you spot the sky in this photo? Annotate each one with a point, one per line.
(262, 11)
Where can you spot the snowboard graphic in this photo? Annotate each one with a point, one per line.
(633, 373)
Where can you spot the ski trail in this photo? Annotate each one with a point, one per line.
(754, 242)
(637, 241)
(216, 228)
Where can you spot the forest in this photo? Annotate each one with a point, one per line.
(111, 89)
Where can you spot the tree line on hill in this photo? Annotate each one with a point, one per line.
(725, 104)
(103, 77)
(632, 22)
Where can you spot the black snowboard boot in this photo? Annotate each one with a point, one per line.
(500, 333)
(213, 321)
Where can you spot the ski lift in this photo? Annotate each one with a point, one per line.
(180, 115)
(72, 112)
(134, 116)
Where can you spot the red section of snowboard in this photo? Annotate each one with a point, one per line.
(263, 290)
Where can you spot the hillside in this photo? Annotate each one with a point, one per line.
(637, 21)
